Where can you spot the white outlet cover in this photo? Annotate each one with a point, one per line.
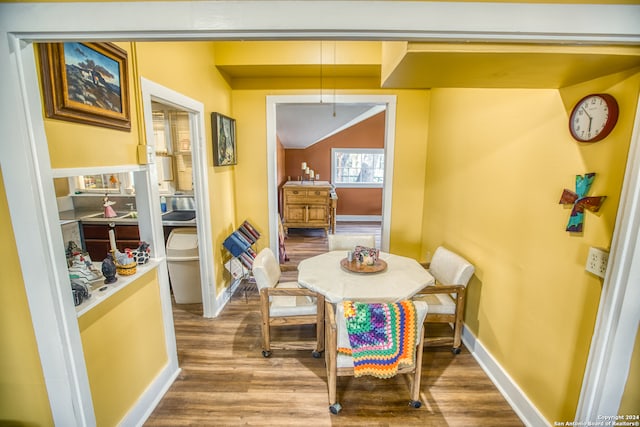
(597, 261)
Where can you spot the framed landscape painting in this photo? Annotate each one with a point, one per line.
(86, 83)
(224, 140)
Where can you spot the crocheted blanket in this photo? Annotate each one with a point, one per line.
(382, 337)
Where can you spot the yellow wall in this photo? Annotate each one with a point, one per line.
(123, 338)
(189, 68)
(73, 144)
(409, 164)
(124, 346)
(497, 162)
(23, 395)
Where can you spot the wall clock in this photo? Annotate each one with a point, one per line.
(593, 117)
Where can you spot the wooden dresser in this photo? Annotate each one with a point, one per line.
(307, 204)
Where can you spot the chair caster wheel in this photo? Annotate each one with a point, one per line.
(266, 353)
(316, 354)
(415, 404)
(456, 350)
(335, 408)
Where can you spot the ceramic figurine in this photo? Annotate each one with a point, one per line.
(80, 292)
(142, 253)
(108, 210)
(109, 269)
(82, 270)
(124, 258)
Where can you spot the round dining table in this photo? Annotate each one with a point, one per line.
(402, 278)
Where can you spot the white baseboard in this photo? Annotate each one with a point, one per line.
(225, 296)
(359, 218)
(523, 407)
(151, 397)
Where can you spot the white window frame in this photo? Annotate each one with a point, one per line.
(125, 186)
(334, 178)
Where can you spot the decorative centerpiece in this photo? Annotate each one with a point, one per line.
(367, 256)
(363, 260)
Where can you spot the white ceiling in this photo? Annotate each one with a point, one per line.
(302, 125)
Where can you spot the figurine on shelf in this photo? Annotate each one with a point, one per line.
(82, 269)
(142, 253)
(109, 269)
(125, 265)
(108, 210)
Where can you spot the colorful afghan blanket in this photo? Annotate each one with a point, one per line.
(382, 337)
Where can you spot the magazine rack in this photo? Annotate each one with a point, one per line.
(240, 245)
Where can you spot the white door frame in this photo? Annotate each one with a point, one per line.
(605, 376)
(31, 199)
(389, 146)
(154, 92)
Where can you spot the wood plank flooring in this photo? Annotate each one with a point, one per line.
(225, 381)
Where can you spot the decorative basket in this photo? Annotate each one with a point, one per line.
(126, 269)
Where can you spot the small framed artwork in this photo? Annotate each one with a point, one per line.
(86, 83)
(224, 140)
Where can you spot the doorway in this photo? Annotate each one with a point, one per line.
(154, 94)
(388, 101)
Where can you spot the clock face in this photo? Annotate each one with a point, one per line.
(593, 117)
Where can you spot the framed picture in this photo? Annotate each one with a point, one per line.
(86, 83)
(224, 140)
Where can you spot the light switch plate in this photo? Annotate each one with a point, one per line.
(597, 261)
(145, 154)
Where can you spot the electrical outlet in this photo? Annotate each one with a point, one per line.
(597, 261)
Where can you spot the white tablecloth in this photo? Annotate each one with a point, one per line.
(402, 279)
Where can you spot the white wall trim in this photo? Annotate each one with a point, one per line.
(34, 216)
(522, 406)
(271, 102)
(616, 326)
(389, 20)
(154, 92)
(150, 398)
(31, 199)
(358, 218)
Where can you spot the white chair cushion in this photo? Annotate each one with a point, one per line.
(450, 268)
(438, 303)
(346, 361)
(348, 242)
(291, 305)
(266, 269)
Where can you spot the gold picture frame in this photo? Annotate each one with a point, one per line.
(86, 83)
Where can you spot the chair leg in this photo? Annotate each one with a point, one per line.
(320, 347)
(331, 346)
(266, 338)
(417, 374)
(457, 326)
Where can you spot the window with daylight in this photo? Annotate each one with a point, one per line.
(357, 167)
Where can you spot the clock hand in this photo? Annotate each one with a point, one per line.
(585, 111)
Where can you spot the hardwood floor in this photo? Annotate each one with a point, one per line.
(225, 381)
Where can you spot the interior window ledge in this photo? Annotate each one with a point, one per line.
(97, 296)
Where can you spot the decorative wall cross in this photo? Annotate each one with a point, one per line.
(580, 201)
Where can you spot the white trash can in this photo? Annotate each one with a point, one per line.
(183, 262)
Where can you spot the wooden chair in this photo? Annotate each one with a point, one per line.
(346, 242)
(286, 303)
(339, 365)
(446, 298)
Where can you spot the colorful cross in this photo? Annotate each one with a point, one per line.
(580, 202)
